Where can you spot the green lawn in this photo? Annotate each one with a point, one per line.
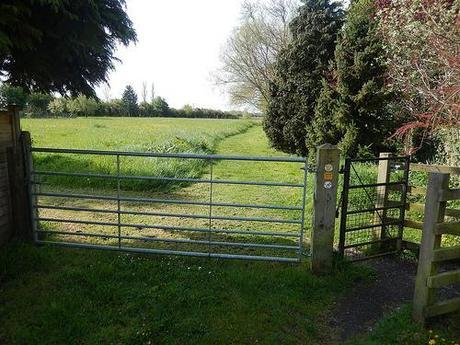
(51, 295)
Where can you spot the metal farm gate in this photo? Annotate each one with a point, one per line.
(373, 206)
(146, 220)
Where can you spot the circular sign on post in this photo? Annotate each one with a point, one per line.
(328, 184)
(328, 167)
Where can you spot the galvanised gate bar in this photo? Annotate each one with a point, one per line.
(60, 221)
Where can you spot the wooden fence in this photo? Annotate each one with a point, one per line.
(434, 225)
(419, 191)
(432, 253)
(15, 212)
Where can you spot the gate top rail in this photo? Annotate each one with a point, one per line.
(169, 155)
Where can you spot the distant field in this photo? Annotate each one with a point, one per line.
(128, 134)
(133, 134)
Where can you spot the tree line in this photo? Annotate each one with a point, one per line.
(377, 76)
(40, 104)
(68, 48)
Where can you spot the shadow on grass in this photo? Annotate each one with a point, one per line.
(232, 244)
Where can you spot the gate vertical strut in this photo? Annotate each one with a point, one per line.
(118, 202)
(302, 225)
(367, 208)
(343, 213)
(210, 207)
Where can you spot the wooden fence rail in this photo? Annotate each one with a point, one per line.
(418, 191)
(432, 254)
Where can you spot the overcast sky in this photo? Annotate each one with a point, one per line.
(179, 42)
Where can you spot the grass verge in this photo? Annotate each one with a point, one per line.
(399, 329)
(64, 296)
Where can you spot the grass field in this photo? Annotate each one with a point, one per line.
(51, 295)
(137, 134)
(249, 141)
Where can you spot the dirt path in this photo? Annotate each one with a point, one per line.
(358, 311)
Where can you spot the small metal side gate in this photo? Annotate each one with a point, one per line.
(146, 219)
(373, 206)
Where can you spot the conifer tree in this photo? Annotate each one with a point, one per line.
(361, 111)
(60, 45)
(129, 100)
(299, 72)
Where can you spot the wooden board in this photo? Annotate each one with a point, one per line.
(443, 307)
(446, 254)
(443, 279)
(435, 168)
(6, 140)
(452, 228)
(450, 194)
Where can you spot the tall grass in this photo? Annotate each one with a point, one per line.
(139, 135)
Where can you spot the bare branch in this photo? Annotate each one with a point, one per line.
(250, 52)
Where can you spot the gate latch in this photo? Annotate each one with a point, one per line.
(310, 168)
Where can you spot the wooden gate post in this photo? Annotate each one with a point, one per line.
(434, 213)
(325, 200)
(9, 132)
(383, 176)
(15, 199)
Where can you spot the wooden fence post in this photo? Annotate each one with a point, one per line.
(325, 199)
(383, 176)
(434, 213)
(16, 147)
(6, 227)
(9, 131)
(31, 199)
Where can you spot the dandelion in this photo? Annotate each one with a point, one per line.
(432, 342)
